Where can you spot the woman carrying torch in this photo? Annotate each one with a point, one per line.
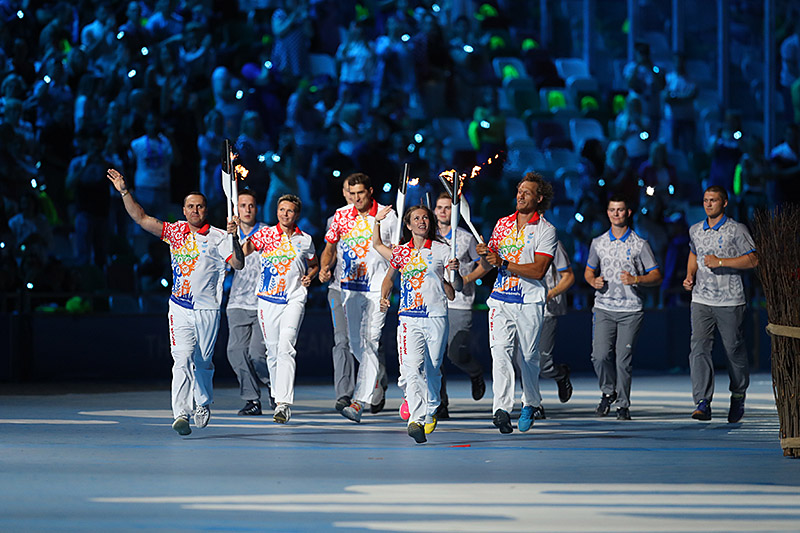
(424, 291)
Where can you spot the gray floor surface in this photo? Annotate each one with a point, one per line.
(109, 461)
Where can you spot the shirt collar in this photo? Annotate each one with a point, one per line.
(716, 226)
(202, 231)
(623, 238)
(295, 232)
(242, 235)
(372, 210)
(534, 219)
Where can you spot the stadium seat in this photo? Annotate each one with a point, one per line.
(581, 129)
(568, 67)
(322, 64)
(498, 64)
(515, 128)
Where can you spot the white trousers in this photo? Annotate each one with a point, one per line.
(364, 326)
(280, 324)
(192, 336)
(420, 347)
(510, 326)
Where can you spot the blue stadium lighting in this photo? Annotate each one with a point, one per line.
(644, 210)
(601, 182)
(22, 247)
(579, 217)
(411, 147)
(132, 73)
(468, 49)
(485, 124)
(33, 183)
(387, 187)
(640, 183)
(737, 135)
(20, 14)
(436, 8)
(120, 35)
(276, 158)
(2, 245)
(405, 37)
(145, 50)
(479, 282)
(336, 173)
(29, 285)
(38, 164)
(47, 79)
(268, 65)
(418, 138)
(656, 69)
(644, 136)
(672, 189)
(164, 283)
(262, 158)
(239, 94)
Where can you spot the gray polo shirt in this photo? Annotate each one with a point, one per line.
(466, 255)
(556, 306)
(243, 287)
(611, 256)
(728, 238)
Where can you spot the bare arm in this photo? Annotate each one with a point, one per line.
(136, 211)
(743, 262)
(653, 277)
(386, 289)
(313, 270)
(591, 277)
(563, 285)
(478, 272)
(691, 272)
(326, 261)
(377, 241)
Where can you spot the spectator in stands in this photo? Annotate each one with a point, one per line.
(251, 145)
(754, 175)
(679, 95)
(592, 163)
(395, 66)
(658, 174)
(646, 80)
(209, 145)
(725, 151)
(356, 61)
(785, 162)
(292, 28)
(618, 174)
(633, 129)
(152, 157)
(790, 71)
(306, 123)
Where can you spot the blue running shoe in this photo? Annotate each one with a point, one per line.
(525, 421)
(703, 410)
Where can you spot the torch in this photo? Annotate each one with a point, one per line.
(400, 204)
(455, 213)
(464, 209)
(229, 185)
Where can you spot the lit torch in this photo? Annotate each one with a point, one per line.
(448, 177)
(229, 185)
(400, 204)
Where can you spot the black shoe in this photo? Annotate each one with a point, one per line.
(251, 408)
(736, 411)
(502, 421)
(478, 387)
(623, 413)
(376, 408)
(538, 413)
(442, 413)
(702, 410)
(564, 386)
(417, 432)
(342, 402)
(605, 404)
(272, 403)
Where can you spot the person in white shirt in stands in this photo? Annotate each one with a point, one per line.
(362, 272)
(619, 262)
(199, 253)
(247, 353)
(288, 264)
(422, 261)
(720, 249)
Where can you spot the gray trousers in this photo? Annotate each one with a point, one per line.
(344, 364)
(728, 320)
(613, 337)
(547, 342)
(247, 353)
(458, 347)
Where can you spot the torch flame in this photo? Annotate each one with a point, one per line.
(242, 171)
(449, 175)
(413, 182)
(476, 170)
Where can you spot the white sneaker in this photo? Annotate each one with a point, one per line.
(181, 425)
(201, 416)
(282, 413)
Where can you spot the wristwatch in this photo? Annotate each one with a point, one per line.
(505, 263)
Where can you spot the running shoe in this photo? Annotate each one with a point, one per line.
(417, 432)
(538, 413)
(342, 402)
(703, 410)
(525, 421)
(181, 425)
(564, 386)
(251, 408)
(623, 413)
(353, 412)
(201, 416)
(502, 421)
(405, 414)
(282, 413)
(605, 404)
(430, 426)
(478, 387)
(736, 411)
(442, 412)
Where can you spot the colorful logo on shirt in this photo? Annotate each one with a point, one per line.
(509, 245)
(276, 260)
(412, 276)
(355, 245)
(185, 254)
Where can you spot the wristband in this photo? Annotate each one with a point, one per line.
(123, 194)
(636, 280)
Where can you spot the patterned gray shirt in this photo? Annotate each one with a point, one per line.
(556, 306)
(611, 256)
(243, 288)
(466, 255)
(728, 238)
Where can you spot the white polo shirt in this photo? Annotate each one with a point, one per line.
(284, 260)
(556, 306)
(520, 245)
(198, 264)
(421, 278)
(727, 238)
(361, 268)
(243, 286)
(466, 255)
(611, 255)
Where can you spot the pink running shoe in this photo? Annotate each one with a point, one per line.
(405, 414)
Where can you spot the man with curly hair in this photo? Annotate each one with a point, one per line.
(522, 247)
